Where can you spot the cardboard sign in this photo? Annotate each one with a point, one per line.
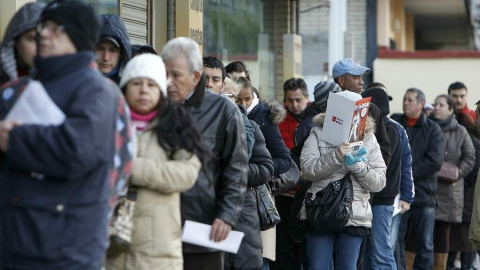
(345, 120)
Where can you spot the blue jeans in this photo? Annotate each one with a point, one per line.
(322, 246)
(423, 221)
(378, 252)
(394, 230)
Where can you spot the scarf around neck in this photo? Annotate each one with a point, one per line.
(141, 121)
(254, 103)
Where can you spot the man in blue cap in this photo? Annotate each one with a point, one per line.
(348, 73)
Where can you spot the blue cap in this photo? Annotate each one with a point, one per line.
(350, 66)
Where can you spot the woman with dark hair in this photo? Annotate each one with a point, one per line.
(169, 156)
(236, 70)
(459, 151)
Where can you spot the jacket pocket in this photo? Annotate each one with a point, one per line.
(362, 213)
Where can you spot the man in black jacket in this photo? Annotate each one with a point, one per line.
(217, 197)
(426, 142)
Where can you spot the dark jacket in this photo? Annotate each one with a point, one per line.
(267, 115)
(25, 19)
(459, 151)
(387, 195)
(407, 189)
(55, 188)
(380, 132)
(426, 142)
(260, 170)
(113, 26)
(470, 180)
(221, 185)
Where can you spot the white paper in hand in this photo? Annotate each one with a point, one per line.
(34, 106)
(199, 234)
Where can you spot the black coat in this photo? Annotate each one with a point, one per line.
(55, 188)
(393, 174)
(260, 170)
(220, 188)
(426, 142)
(267, 119)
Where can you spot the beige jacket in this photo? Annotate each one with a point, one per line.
(321, 165)
(156, 239)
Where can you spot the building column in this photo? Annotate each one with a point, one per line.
(383, 23)
(8, 8)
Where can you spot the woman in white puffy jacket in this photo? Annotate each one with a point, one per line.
(322, 163)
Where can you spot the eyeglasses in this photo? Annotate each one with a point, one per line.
(52, 28)
(228, 95)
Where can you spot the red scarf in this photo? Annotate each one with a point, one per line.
(141, 121)
(467, 110)
(411, 121)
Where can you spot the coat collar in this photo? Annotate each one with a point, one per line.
(51, 68)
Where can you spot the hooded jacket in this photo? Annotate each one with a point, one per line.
(267, 114)
(321, 165)
(25, 19)
(221, 185)
(458, 149)
(426, 143)
(113, 26)
(55, 179)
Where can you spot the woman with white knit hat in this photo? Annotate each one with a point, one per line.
(169, 155)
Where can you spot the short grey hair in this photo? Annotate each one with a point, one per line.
(186, 47)
(420, 94)
(231, 85)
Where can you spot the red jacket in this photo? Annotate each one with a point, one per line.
(465, 110)
(287, 128)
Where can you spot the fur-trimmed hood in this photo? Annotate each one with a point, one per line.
(319, 120)
(277, 111)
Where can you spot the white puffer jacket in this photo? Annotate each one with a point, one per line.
(321, 165)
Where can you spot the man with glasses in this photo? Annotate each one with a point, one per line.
(55, 178)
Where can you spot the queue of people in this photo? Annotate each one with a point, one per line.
(185, 138)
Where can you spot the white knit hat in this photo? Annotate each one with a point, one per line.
(350, 95)
(149, 66)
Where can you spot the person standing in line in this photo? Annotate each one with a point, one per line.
(113, 49)
(323, 163)
(379, 251)
(459, 151)
(458, 91)
(55, 178)
(426, 141)
(218, 194)
(19, 46)
(167, 163)
(215, 73)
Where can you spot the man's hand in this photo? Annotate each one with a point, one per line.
(5, 128)
(404, 206)
(220, 230)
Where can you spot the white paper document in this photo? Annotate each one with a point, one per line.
(199, 234)
(396, 206)
(34, 106)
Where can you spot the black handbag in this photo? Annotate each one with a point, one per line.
(330, 209)
(286, 181)
(267, 212)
